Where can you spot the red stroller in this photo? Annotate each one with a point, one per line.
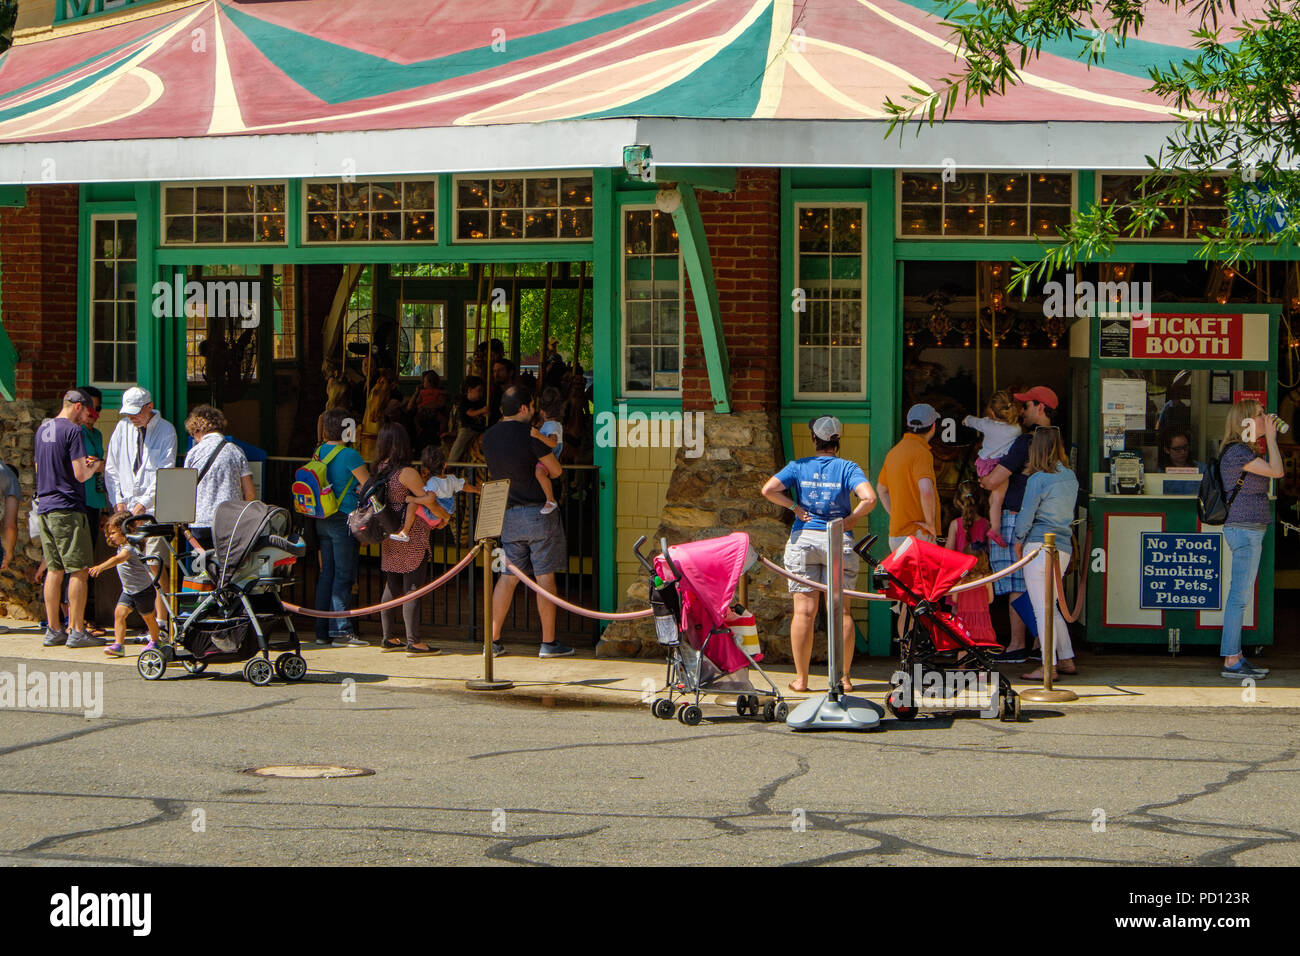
(919, 575)
(702, 628)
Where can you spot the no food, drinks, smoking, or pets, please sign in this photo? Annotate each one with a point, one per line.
(1182, 571)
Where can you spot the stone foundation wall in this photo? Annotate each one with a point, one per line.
(19, 597)
(715, 495)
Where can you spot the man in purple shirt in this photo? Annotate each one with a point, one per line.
(62, 468)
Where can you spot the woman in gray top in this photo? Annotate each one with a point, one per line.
(226, 474)
(1245, 481)
(1051, 493)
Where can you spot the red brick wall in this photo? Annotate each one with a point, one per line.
(38, 289)
(744, 233)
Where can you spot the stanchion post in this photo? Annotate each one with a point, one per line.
(488, 682)
(1048, 694)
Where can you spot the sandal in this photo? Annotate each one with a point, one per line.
(420, 649)
(392, 644)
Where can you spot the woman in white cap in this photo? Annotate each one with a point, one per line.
(819, 489)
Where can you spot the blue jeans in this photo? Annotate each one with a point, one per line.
(1246, 545)
(338, 571)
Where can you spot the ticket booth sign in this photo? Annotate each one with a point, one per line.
(1182, 571)
(1187, 337)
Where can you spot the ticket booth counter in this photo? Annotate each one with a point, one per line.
(1150, 402)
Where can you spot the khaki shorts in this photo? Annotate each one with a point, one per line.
(65, 540)
(805, 555)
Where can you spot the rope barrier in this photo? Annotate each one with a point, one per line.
(573, 608)
(816, 585)
(989, 579)
(395, 602)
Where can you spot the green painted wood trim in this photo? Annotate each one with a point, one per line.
(829, 195)
(293, 211)
(445, 207)
(694, 246)
(885, 371)
(786, 233)
(959, 250)
(343, 255)
(716, 179)
(13, 196)
(8, 367)
(606, 364)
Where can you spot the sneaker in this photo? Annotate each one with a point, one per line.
(78, 639)
(1017, 656)
(5, 628)
(114, 650)
(398, 536)
(498, 649)
(548, 507)
(1240, 670)
(324, 641)
(350, 640)
(149, 646)
(55, 638)
(555, 649)
(1255, 667)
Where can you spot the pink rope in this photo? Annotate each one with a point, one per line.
(1010, 569)
(773, 566)
(395, 602)
(573, 608)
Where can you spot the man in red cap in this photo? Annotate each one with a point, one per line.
(1040, 408)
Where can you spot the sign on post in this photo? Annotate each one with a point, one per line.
(492, 509)
(1182, 571)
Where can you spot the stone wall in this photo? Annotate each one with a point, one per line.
(19, 597)
(715, 495)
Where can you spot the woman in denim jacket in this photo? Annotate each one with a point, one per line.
(1050, 497)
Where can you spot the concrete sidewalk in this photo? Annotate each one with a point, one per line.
(1104, 680)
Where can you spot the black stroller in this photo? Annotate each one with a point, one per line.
(250, 560)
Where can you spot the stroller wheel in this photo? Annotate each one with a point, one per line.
(290, 667)
(662, 708)
(689, 715)
(746, 705)
(258, 671)
(1009, 707)
(782, 710)
(151, 664)
(769, 711)
(894, 702)
(195, 667)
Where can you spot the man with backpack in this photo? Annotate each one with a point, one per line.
(325, 489)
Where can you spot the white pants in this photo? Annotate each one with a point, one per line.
(1035, 582)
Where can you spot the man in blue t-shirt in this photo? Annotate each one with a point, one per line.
(346, 472)
(819, 489)
(62, 468)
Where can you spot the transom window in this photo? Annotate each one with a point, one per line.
(113, 300)
(971, 203)
(223, 214)
(400, 210)
(652, 302)
(217, 343)
(1185, 220)
(830, 301)
(522, 208)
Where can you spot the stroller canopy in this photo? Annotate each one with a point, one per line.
(929, 570)
(237, 526)
(709, 572)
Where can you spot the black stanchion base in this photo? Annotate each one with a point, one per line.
(489, 684)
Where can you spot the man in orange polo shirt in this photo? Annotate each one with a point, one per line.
(907, 486)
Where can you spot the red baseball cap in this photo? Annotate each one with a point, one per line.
(1039, 393)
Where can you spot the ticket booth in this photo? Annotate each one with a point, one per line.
(1150, 402)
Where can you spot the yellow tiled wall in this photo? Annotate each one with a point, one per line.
(643, 475)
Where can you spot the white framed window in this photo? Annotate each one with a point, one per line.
(830, 269)
(1187, 221)
(983, 204)
(113, 351)
(652, 303)
(423, 337)
(532, 207)
(224, 214)
(370, 210)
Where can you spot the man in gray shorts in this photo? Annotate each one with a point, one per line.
(533, 542)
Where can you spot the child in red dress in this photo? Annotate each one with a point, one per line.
(970, 534)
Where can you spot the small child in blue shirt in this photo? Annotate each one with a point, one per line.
(433, 467)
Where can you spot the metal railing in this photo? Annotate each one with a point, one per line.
(455, 611)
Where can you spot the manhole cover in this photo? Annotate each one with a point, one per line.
(306, 771)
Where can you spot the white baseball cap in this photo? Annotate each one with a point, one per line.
(134, 399)
(827, 428)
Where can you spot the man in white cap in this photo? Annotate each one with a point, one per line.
(908, 488)
(142, 442)
(820, 489)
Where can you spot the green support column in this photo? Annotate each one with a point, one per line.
(885, 371)
(699, 267)
(606, 364)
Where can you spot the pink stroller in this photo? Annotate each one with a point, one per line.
(701, 627)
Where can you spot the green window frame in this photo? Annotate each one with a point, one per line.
(1190, 220)
(992, 204)
(523, 207)
(651, 303)
(224, 213)
(830, 280)
(114, 293)
(370, 210)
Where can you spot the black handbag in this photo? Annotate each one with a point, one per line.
(1212, 500)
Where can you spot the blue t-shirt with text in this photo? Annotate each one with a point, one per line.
(822, 484)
